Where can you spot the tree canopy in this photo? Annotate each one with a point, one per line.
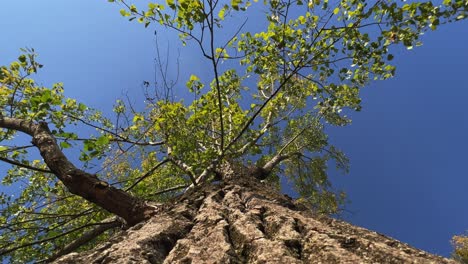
(265, 106)
(460, 244)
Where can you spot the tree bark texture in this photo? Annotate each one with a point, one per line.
(244, 221)
(77, 181)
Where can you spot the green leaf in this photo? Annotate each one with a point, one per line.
(302, 19)
(124, 12)
(235, 4)
(152, 6)
(221, 13)
(82, 107)
(22, 58)
(193, 77)
(65, 144)
(171, 4)
(103, 140)
(137, 118)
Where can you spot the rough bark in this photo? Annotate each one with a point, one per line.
(244, 221)
(79, 182)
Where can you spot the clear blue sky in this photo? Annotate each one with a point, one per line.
(408, 147)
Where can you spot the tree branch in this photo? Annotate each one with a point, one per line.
(264, 129)
(78, 182)
(271, 164)
(210, 23)
(85, 238)
(119, 137)
(185, 168)
(147, 174)
(24, 165)
(6, 251)
(175, 188)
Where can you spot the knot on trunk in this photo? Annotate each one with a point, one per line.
(232, 171)
(257, 172)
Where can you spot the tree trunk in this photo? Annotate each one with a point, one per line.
(244, 221)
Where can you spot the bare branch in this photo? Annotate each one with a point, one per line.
(185, 168)
(105, 225)
(45, 216)
(175, 188)
(270, 165)
(159, 143)
(214, 61)
(264, 129)
(119, 137)
(16, 148)
(147, 174)
(8, 250)
(24, 165)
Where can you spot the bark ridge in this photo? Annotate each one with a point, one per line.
(245, 221)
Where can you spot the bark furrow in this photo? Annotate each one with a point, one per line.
(248, 222)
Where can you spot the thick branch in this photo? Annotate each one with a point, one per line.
(77, 181)
(270, 165)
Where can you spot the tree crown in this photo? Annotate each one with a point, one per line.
(265, 105)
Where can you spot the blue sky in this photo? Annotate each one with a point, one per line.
(407, 147)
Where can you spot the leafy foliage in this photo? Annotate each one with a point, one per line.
(302, 72)
(460, 244)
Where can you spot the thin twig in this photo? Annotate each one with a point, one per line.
(147, 174)
(24, 165)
